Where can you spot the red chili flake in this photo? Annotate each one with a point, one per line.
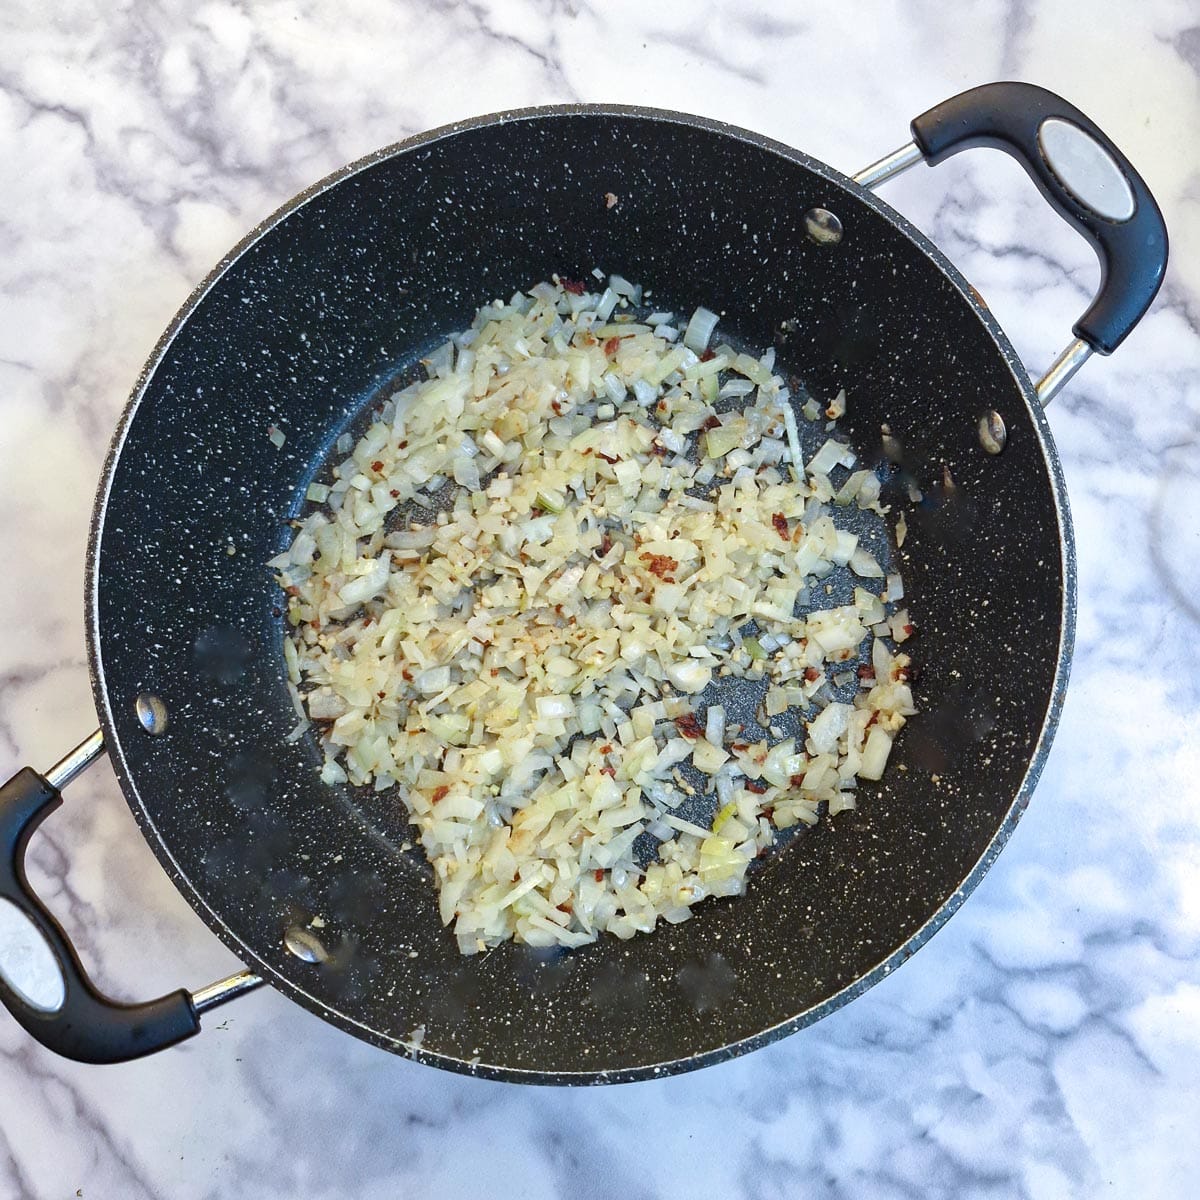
(658, 449)
(395, 495)
(711, 423)
(606, 748)
(609, 771)
(741, 747)
(910, 629)
(402, 445)
(660, 564)
(610, 346)
(708, 355)
(565, 907)
(599, 875)
(606, 544)
(377, 465)
(753, 785)
(872, 719)
(796, 780)
(381, 695)
(558, 609)
(812, 674)
(866, 671)
(554, 404)
(769, 813)
(406, 674)
(689, 726)
(439, 793)
(574, 286)
(495, 671)
(780, 525)
(607, 459)
(368, 621)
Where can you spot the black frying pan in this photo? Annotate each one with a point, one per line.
(323, 307)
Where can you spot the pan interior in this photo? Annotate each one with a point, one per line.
(317, 316)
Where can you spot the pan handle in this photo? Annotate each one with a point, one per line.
(1086, 180)
(87, 1026)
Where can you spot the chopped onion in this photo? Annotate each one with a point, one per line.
(863, 564)
(849, 490)
(508, 597)
(734, 389)
(875, 753)
(708, 758)
(607, 303)
(793, 437)
(689, 676)
(661, 830)
(825, 729)
(700, 329)
(831, 454)
(684, 826)
(721, 440)
(622, 287)
(644, 392)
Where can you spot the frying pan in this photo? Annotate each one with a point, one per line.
(313, 317)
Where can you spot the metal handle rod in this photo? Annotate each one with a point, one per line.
(1061, 370)
(889, 166)
(224, 990)
(76, 762)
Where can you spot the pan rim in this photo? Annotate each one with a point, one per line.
(195, 895)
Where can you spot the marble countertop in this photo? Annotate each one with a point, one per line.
(1046, 1043)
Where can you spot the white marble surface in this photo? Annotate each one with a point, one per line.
(1047, 1042)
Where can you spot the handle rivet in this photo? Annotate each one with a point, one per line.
(822, 227)
(992, 435)
(304, 944)
(151, 713)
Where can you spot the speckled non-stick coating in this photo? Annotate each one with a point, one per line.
(307, 321)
